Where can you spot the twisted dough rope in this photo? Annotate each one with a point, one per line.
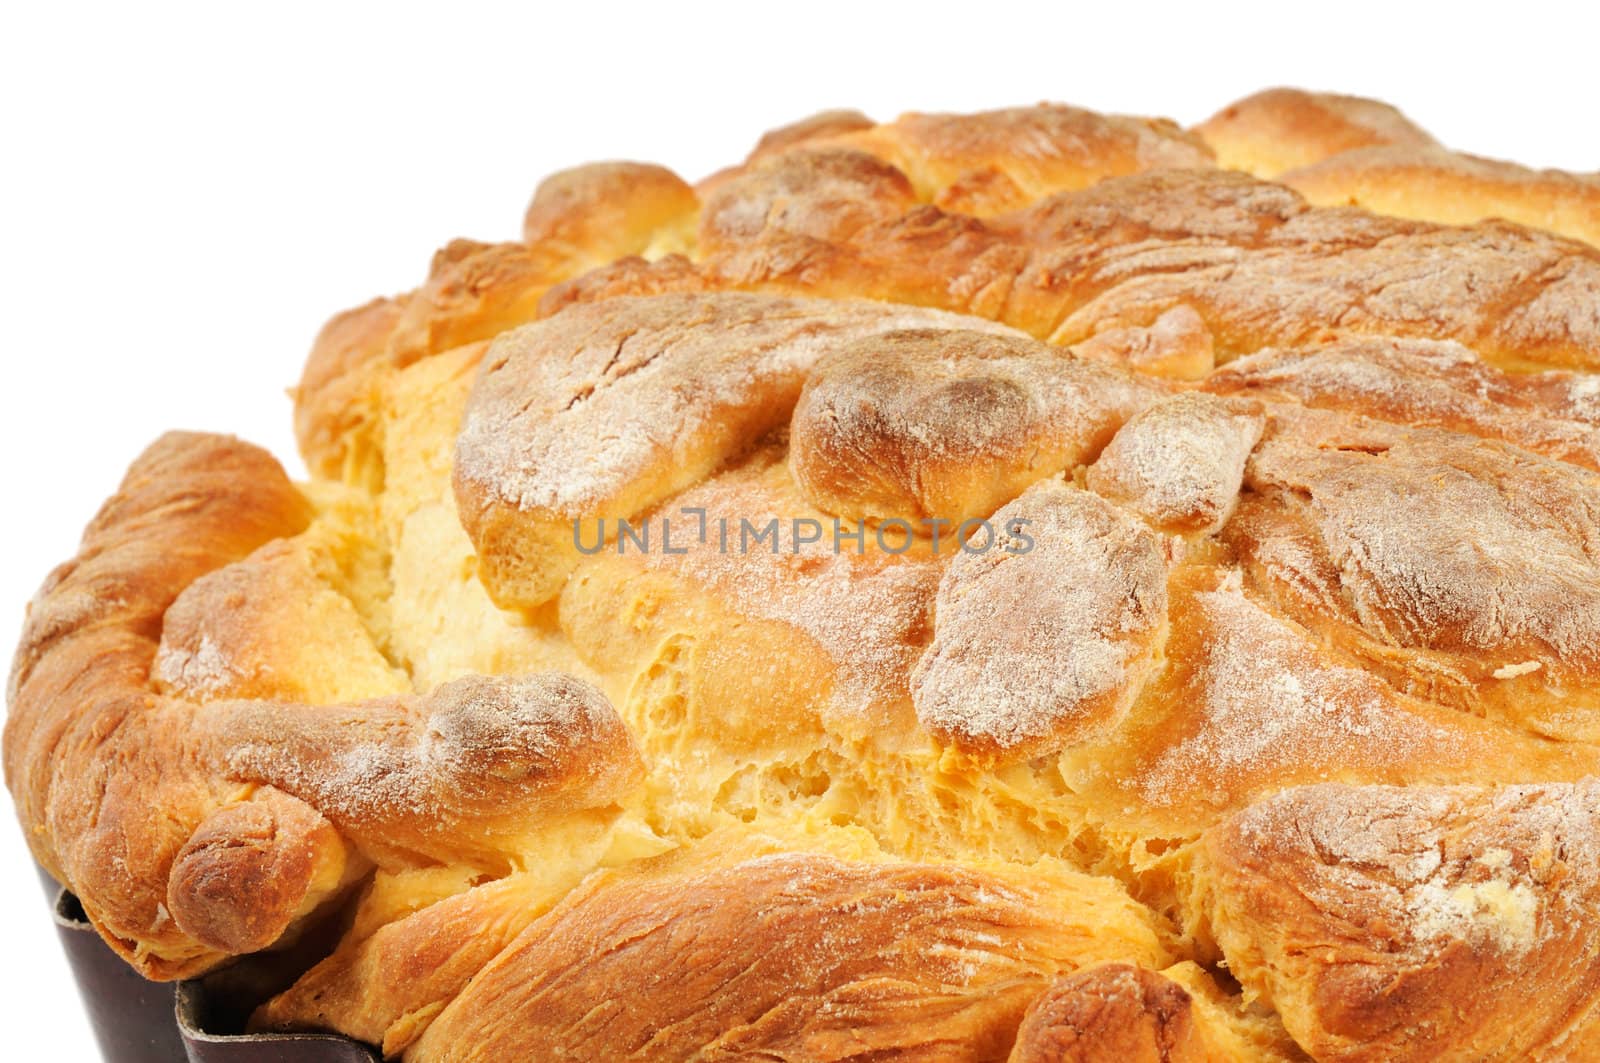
(194, 832)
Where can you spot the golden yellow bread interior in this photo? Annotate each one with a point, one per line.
(1024, 586)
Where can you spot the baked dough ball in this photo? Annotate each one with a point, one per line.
(1024, 586)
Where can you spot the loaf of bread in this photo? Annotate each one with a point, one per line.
(1028, 586)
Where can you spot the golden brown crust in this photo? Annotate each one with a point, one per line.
(473, 292)
(819, 194)
(608, 210)
(626, 276)
(336, 399)
(249, 868)
(1176, 345)
(820, 126)
(849, 961)
(239, 632)
(1257, 264)
(1349, 151)
(579, 218)
(100, 768)
(1424, 383)
(189, 504)
(1462, 568)
(996, 161)
(1292, 273)
(1121, 1011)
(1389, 923)
(1435, 184)
(1115, 1011)
(948, 424)
(772, 644)
(1281, 129)
(387, 986)
(1250, 702)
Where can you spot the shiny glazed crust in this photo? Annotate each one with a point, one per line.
(1171, 632)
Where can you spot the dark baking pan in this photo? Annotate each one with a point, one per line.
(138, 1021)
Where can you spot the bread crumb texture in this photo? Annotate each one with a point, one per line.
(1033, 585)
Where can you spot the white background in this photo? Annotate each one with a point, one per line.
(188, 193)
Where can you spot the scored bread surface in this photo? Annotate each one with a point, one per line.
(1209, 667)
